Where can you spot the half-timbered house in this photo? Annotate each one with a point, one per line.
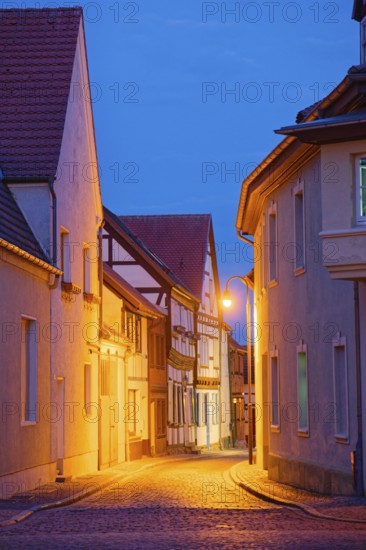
(150, 276)
(185, 243)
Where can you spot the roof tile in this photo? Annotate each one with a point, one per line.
(37, 57)
(180, 240)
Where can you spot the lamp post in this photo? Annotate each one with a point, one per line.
(227, 302)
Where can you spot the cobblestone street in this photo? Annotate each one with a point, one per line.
(187, 504)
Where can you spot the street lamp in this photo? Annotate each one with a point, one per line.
(227, 302)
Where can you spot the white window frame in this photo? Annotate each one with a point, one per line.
(275, 427)
(272, 245)
(359, 219)
(341, 341)
(87, 276)
(29, 374)
(302, 429)
(300, 263)
(65, 258)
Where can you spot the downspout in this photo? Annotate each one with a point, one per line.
(242, 237)
(358, 460)
(100, 323)
(51, 186)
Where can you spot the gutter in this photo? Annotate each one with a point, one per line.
(29, 257)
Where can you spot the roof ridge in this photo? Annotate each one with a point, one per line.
(39, 10)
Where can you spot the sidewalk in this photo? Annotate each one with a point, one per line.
(252, 479)
(22, 505)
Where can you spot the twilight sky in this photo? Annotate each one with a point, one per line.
(186, 95)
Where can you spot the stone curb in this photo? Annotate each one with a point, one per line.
(263, 495)
(83, 494)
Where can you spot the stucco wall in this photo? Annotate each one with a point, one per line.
(24, 457)
(312, 309)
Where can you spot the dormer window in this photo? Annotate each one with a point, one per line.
(360, 182)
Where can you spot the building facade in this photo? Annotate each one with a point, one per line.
(147, 273)
(185, 243)
(48, 161)
(304, 206)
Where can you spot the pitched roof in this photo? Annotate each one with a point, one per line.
(37, 56)
(181, 241)
(14, 228)
(140, 246)
(348, 92)
(138, 302)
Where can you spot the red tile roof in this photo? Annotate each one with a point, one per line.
(37, 57)
(181, 241)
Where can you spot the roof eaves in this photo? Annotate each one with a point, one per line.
(29, 257)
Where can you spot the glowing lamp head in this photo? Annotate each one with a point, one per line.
(226, 299)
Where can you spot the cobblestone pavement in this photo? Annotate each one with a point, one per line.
(185, 504)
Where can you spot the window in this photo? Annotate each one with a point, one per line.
(275, 394)
(205, 408)
(129, 326)
(272, 245)
(183, 317)
(123, 322)
(29, 370)
(190, 406)
(180, 405)
(138, 334)
(65, 256)
(175, 404)
(360, 179)
(203, 346)
(86, 270)
(299, 219)
(302, 389)
(170, 402)
(340, 387)
(199, 409)
(87, 389)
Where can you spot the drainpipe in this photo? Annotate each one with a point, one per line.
(51, 186)
(358, 461)
(51, 182)
(100, 331)
(242, 237)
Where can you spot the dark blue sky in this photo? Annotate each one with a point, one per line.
(171, 137)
